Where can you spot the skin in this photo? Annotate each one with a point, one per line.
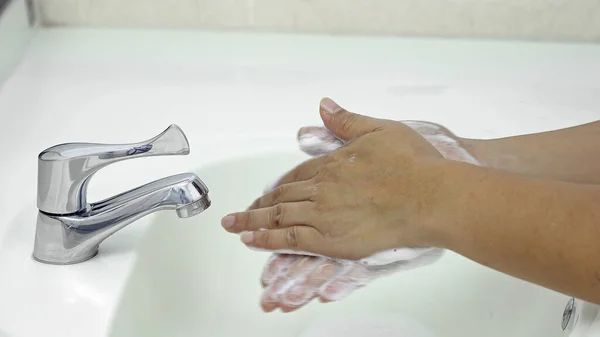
(388, 187)
(333, 279)
(569, 154)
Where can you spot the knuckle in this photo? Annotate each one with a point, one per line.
(320, 175)
(277, 216)
(337, 155)
(322, 207)
(278, 194)
(348, 122)
(333, 157)
(300, 170)
(329, 173)
(296, 174)
(291, 237)
(315, 191)
(264, 240)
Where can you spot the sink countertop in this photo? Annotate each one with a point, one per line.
(223, 89)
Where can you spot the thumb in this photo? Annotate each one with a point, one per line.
(344, 124)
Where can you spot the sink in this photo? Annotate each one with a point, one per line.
(192, 278)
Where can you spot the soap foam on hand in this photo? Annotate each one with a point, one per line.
(293, 278)
(291, 281)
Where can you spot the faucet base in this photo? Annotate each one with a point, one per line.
(56, 242)
(89, 256)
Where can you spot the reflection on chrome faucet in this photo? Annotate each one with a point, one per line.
(69, 229)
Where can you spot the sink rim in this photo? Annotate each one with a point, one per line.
(153, 268)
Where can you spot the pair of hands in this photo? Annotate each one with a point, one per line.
(344, 206)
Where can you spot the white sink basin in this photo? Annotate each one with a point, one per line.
(191, 278)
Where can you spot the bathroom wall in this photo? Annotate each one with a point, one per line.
(15, 34)
(524, 19)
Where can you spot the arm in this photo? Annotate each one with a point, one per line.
(543, 231)
(557, 155)
(546, 232)
(571, 154)
(343, 205)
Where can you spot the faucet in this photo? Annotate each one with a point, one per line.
(69, 230)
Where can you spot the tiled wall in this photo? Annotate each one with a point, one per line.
(529, 19)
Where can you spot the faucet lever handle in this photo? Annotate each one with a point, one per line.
(64, 170)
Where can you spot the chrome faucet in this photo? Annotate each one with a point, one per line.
(69, 229)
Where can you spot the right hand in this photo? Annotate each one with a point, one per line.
(292, 281)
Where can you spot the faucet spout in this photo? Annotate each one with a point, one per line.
(74, 238)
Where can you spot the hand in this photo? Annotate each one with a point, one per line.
(292, 281)
(378, 192)
(317, 141)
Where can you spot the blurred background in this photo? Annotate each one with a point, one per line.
(537, 20)
(523, 19)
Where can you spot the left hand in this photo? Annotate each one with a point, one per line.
(379, 191)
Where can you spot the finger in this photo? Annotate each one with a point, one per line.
(270, 297)
(324, 273)
(287, 306)
(303, 292)
(279, 216)
(301, 268)
(303, 171)
(286, 309)
(317, 141)
(267, 306)
(296, 277)
(295, 191)
(345, 124)
(294, 238)
(276, 265)
(353, 277)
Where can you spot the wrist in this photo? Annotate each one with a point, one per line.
(481, 150)
(495, 153)
(452, 212)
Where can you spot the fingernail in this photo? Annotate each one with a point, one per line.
(247, 237)
(329, 106)
(228, 221)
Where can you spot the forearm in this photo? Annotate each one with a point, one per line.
(543, 231)
(571, 154)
